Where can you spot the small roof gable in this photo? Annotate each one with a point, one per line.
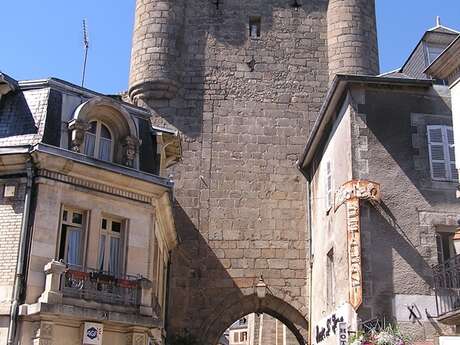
(433, 41)
(443, 29)
(447, 65)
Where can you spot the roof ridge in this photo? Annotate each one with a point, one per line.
(440, 26)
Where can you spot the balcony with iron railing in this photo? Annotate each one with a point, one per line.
(102, 287)
(97, 289)
(447, 290)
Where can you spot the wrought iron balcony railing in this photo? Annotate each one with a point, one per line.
(101, 287)
(447, 286)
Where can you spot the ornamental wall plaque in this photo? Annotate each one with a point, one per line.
(361, 189)
(350, 194)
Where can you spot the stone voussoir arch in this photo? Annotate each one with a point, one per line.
(236, 306)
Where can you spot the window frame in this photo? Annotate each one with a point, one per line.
(433, 52)
(445, 243)
(98, 139)
(84, 234)
(330, 279)
(240, 336)
(448, 160)
(328, 186)
(255, 22)
(108, 233)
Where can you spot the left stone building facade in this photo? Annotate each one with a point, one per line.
(86, 219)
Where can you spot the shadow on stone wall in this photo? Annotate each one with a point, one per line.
(214, 82)
(391, 127)
(383, 274)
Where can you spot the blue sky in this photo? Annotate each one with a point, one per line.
(42, 38)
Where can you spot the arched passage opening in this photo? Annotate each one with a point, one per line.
(238, 307)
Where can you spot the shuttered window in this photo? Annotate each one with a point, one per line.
(441, 149)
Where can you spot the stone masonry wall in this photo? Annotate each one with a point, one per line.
(11, 210)
(240, 197)
(244, 107)
(352, 37)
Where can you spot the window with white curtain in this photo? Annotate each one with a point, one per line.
(441, 151)
(111, 246)
(98, 141)
(72, 236)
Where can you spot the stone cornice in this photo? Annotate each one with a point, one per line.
(95, 186)
(166, 221)
(79, 166)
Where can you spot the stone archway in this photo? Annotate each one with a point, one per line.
(236, 307)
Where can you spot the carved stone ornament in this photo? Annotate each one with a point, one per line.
(136, 339)
(130, 149)
(156, 337)
(361, 189)
(77, 129)
(139, 339)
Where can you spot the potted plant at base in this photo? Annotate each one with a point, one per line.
(388, 335)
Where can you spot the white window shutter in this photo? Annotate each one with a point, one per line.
(436, 151)
(451, 150)
(441, 151)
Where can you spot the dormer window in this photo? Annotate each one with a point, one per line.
(101, 128)
(98, 141)
(433, 52)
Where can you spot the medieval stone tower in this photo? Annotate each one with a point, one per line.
(243, 81)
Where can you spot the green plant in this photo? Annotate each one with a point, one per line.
(388, 335)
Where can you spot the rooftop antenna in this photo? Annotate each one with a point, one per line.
(86, 45)
(438, 21)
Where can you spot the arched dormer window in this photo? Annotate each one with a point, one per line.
(98, 141)
(101, 128)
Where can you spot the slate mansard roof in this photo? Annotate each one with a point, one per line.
(26, 109)
(37, 112)
(23, 116)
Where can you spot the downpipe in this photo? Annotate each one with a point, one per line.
(22, 257)
(310, 255)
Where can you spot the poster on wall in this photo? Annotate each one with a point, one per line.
(342, 338)
(350, 194)
(335, 326)
(92, 333)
